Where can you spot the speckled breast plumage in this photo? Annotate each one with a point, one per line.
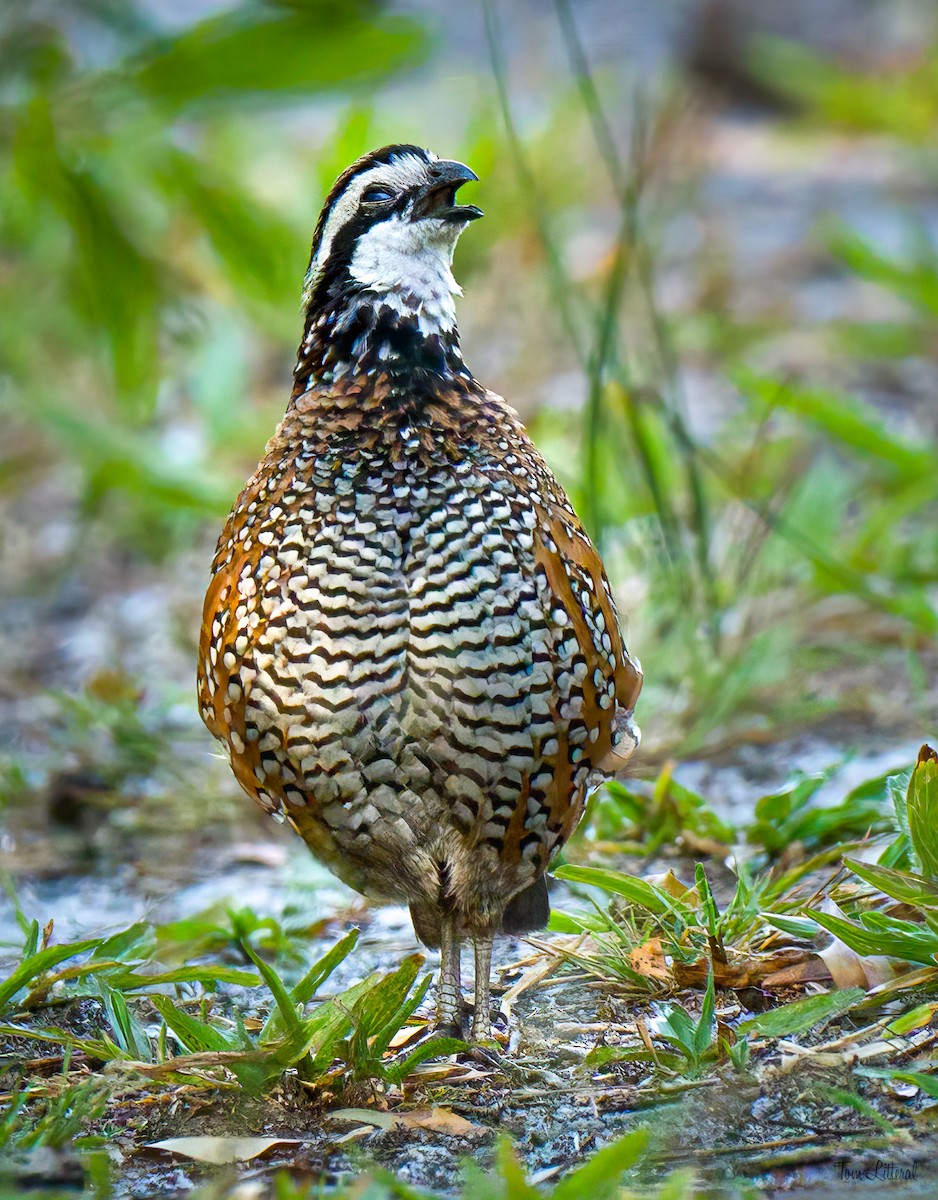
(410, 648)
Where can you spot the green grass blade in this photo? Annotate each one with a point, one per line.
(901, 939)
(102, 1048)
(922, 808)
(303, 992)
(34, 966)
(927, 1083)
(847, 421)
(600, 1176)
(438, 1047)
(285, 1005)
(706, 1026)
(801, 1015)
(320, 971)
(906, 886)
(194, 1035)
(637, 891)
(208, 975)
(401, 1016)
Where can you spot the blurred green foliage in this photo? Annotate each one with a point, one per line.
(900, 100)
(137, 249)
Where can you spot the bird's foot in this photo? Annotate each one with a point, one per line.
(467, 1028)
(458, 1024)
(491, 1032)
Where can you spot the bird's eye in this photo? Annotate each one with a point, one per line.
(376, 194)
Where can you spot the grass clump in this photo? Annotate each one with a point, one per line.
(346, 1039)
(904, 880)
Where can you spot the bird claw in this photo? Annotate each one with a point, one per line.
(495, 1032)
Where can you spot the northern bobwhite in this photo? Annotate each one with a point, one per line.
(409, 646)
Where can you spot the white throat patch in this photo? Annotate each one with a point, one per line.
(408, 264)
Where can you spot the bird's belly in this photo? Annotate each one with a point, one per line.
(402, 690)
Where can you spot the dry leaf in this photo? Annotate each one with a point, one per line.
(218, 1150)
(790, 964)
(810, 970)
(668, 882)
(648, 959)
(407, 1034)
(452, 1072)
(439, 1120)
(366, 1116)
(847, 968)
(543, 966)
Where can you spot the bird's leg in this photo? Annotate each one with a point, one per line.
(449, 997)
(482, 1017)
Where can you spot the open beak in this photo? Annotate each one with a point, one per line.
(438, 198)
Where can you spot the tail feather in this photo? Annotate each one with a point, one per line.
(529, 910)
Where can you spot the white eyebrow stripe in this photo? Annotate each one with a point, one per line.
(401, 172)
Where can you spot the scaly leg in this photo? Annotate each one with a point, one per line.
(482, 1018)
(449, 997)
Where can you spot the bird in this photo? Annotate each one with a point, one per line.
(409, 648)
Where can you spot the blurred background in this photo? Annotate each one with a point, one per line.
(707, 277)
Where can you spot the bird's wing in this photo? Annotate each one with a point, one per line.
(597, 682)
(237, 593)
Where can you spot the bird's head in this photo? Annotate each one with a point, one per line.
(388, 230)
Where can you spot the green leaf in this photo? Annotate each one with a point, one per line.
(845, 419)
(117, 287)
(898, 786)
(208, 975)
(899, 939)
(707, 903)
(636, 890)
(323, 969)
(835, 1095)
(256, 246)
(899, 101)
(675, 1025)
(138, 937)
(127, 1029)
(285, 1005)
(800, 927)
(907, 886)
(401, 1016)
(561, 922)
(512, 1173)
(600, 1055)
(927, 1083)
(31, 941)
(915, 1018)
(915, 279)
(197, 1037)
(38, 963)
(278, 49)
(102, 1047)
(706, 1026)
(378, 1008)
(600, 1176)
(438, 1047)
(307, 987)
(922, 807)
(801, 1015)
